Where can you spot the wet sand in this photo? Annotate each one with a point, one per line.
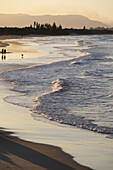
(19, 154)
(16, 153)
(88, 148)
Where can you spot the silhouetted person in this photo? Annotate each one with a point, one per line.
(2, 51)
(2, 57)
(22, 55)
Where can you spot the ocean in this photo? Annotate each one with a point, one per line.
(70, 83)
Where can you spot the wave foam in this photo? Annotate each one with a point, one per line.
(52, 106)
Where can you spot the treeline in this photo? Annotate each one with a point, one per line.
(48, 29)
(37, 29)
(91, 31)
(46, 26)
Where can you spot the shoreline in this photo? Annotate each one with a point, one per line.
(88, 148)
(15, 151)
(19, 154)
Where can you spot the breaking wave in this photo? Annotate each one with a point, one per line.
(74, 87)
(48, 106)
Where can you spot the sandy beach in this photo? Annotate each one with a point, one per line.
(37, 144)
(16, 153)
(19, 154)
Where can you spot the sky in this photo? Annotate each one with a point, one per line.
(101, 10)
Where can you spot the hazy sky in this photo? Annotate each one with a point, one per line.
(94, 9)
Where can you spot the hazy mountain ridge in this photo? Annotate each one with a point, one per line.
(67, 21)
(111, 25)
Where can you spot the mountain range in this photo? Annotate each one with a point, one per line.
(111, 25)
(67, 21)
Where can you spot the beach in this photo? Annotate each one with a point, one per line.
(87, 148)
(20, 154)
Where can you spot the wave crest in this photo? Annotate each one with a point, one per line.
(53, 106)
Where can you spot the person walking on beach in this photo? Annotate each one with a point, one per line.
(2, 57)
(2, 51)
(3, 54)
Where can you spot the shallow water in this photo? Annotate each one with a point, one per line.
(71, 83)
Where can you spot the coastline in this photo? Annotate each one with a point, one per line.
(84, 145)
(20, 154)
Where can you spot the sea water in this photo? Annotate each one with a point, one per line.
(71, 83)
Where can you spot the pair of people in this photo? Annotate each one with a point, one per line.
(3, 51)
(3, 57)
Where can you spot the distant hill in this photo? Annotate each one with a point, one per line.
(67, 21)
(111, 25)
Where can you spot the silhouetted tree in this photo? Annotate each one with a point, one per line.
(47, 26)
(34, 24)
(42, 26)
(84, 28)
(37, 25)
(54, 26)
(60, 27)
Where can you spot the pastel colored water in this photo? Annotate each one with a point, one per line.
(71, 82)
